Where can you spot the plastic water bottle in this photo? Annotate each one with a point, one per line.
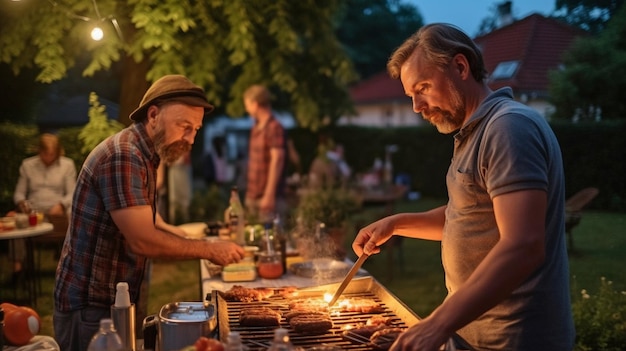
(106, 339)
(234, 342)
(281, 341)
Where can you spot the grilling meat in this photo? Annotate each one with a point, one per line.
(360, 305)
(312, 323)
(295, 313)
(384, 338)
(372, 325)
(312, 305)
(259, 317)
(243, 294)
(354, 304)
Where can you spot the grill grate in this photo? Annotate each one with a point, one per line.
(259, 338)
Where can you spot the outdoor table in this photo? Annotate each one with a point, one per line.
(30, 271)
(209, 283)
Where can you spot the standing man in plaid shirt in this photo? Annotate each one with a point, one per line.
(265, 190)
(115, 227)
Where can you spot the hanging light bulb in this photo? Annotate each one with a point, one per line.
(97, 33)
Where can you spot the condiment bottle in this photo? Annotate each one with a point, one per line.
(234, 216)
(123, 315)
(281, 241)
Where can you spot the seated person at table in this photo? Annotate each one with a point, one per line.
(45, 184)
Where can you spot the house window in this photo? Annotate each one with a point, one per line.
(505, 70)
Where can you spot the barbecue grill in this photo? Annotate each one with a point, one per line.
(339, 337)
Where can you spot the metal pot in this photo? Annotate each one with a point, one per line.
(179, 324)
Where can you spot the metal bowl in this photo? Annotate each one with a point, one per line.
(320, 268)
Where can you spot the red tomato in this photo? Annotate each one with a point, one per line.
(207, 344)
(20, 324)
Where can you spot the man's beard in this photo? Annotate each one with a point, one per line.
(448, 121)
(171, 152)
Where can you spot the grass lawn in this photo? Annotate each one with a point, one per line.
(600, 242)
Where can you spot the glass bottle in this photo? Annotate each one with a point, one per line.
(234, 216)
(281, 341)
(280, 241)
(234, 342)
(106, 339)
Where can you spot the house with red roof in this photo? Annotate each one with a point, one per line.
(519, 55)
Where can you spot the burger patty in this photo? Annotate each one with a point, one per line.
(312, 323)
(259, 317)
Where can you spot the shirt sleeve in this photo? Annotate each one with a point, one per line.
(22, 185)
(70, 184)
(276, 135)
(124, 180)
(514, 156)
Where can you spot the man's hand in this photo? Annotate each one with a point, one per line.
(423, 336)
(225, 252)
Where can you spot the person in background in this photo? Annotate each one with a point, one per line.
(115, 227)
(45, 184)
(323, 171)
(216, 162)
(502, 231)
(336, 155)
(180, 188)
(266, 157)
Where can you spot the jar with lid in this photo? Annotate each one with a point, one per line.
(270, 265)
(269, 262)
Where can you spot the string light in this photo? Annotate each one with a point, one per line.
(96, 33)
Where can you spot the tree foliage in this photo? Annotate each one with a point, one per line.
(224, 46)
(594, 75)
(590, 15)
(371, 29)
(99, 126)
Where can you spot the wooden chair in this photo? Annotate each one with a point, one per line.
(573, 211)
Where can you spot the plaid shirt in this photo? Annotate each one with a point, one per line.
(272, 135)
(118, 173)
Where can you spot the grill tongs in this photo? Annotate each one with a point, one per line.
(355, 268)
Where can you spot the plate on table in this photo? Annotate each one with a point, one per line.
(320, 268)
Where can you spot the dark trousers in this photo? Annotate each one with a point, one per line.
(73, 330)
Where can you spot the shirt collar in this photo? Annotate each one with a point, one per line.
(483, 109)
(146, 145)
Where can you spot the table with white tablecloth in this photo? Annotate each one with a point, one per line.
(31, 274)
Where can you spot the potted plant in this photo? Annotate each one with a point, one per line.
(322, 213)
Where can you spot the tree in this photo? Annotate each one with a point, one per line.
(223, 46)
(371, 29)
(594, 75)
(590, 15)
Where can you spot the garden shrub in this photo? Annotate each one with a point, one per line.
(600, 319)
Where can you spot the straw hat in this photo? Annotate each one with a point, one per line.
(172, 88)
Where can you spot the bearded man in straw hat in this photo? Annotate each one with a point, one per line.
(115, 227)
